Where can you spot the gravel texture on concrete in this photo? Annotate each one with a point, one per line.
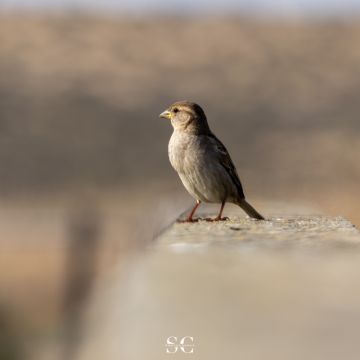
(278, 233)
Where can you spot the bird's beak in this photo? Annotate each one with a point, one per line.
(166, 115)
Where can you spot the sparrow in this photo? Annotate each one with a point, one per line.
(202, 161)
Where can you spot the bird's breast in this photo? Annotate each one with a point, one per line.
(183, 151)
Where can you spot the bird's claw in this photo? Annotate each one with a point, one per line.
(217, 219)
(180, 221)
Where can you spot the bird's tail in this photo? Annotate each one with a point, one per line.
(250, 210)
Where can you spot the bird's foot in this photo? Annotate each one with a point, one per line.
(217, 219)
(188, 220)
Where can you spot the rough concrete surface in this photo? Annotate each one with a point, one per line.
(278, 233)
(285, 288)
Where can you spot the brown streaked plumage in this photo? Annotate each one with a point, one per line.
(202, 161)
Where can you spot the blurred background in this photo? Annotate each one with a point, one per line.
(84, 174)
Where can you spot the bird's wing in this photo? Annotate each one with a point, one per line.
(226, 162)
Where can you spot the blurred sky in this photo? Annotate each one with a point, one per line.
(261, 7)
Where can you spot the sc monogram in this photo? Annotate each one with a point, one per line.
(184, 344)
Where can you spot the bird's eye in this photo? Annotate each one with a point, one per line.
(175, 110)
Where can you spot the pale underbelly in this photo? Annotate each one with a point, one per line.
(205, 186)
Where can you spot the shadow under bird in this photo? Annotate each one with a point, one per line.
(202, 161)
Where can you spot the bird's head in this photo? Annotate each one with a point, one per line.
(187, 116)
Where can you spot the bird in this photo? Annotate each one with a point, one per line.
(202, 161)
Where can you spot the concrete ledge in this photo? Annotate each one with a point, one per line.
(287, 288)
(244, 234)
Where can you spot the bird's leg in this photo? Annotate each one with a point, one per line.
(219, 218)
(190, 217)
(220, 213)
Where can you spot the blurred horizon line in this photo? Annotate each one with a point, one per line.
(293, 9)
